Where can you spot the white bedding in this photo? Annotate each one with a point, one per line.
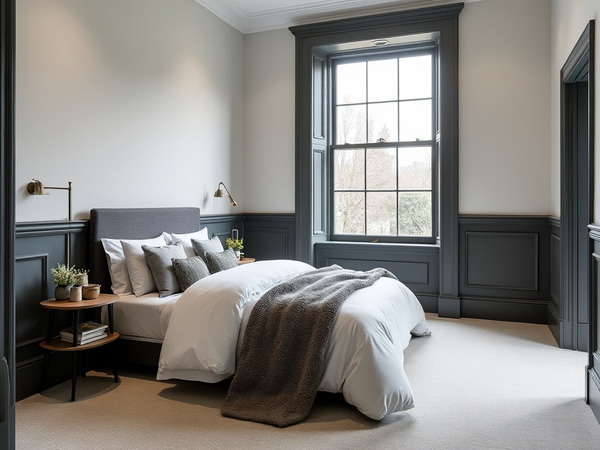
(143, 318)
(365, 356)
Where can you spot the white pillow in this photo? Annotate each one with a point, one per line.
(139, 272)
(186, 240)
(117, 267)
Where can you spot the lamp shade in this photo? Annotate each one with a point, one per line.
(219, 193)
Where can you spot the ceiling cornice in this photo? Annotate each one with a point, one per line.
(273, 18)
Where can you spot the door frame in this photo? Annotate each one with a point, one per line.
(7, 224)
(578, 67)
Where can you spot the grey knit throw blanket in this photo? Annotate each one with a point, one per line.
(283, 352)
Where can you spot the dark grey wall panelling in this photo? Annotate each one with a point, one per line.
(417, 266)
(505, 267)
(270, 236)
(508, 270)
(40, 246)
(554, 303)
(593, 368)
(222, 225)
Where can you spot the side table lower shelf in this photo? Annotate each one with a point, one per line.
(58, 345)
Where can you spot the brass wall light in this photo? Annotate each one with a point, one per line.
(36, 187)
(219, 193)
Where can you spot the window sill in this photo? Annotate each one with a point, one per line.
(378, 246)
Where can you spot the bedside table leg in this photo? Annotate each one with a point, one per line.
(75, 356)
(115, 362)
(74, 379)
(111, 329)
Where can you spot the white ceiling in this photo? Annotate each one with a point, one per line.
(250, 16)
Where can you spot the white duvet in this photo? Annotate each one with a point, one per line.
(365, 356)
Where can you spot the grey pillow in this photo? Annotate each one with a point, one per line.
(212, 245)
(217, 261)
(189, 270)
(159, 261)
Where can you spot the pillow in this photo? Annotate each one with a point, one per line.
(139, 272)
(167, 237)
(117, 266)
(159, 261)
(217, 261)
(186, 240)
(201, 247)
(189, 270)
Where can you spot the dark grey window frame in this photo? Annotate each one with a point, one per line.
(311, 142)
(430, 48)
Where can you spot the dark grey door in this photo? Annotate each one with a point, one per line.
(7, 224)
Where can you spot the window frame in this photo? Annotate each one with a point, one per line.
(311, 39)
(374, 54)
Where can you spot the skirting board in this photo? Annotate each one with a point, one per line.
(593, 393)
(512, 310)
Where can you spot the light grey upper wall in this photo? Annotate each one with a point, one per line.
(152, 102)
(269, 122)
(504, 107)
(504, 61)
(137, 102)
(569, 19)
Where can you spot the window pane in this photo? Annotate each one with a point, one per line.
(349, 167)
(383, 80)
(415, 77)
(381, 213)
(349, 212)
(381, 169)
(414, 214)
(351, 83)
(415, 120)
(383, 122)
(414, 168)
(351, 124)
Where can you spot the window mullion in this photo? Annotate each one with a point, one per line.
(365, 190)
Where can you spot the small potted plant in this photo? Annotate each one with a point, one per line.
(82, 276)
(236, 244)
(64, 278)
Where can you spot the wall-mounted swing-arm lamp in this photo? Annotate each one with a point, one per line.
(36, 187)
(219, 193)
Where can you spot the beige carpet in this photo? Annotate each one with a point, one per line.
(478, 384)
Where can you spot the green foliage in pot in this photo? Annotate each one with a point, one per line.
(236, 244)
(64, 275)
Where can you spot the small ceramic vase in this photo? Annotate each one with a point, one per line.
(62, 292)
(75, 293)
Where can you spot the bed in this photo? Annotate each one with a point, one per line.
(199, 334)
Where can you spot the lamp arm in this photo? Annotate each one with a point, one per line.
(231, 199)
(223, 184)
(63, 189)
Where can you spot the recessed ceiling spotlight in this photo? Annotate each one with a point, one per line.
(380, 42)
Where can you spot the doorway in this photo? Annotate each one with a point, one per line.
(577, 106)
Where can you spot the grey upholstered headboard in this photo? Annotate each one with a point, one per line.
(133, 223)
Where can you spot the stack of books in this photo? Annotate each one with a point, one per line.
(87, 332)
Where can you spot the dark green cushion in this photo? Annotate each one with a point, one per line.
(189, 270)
